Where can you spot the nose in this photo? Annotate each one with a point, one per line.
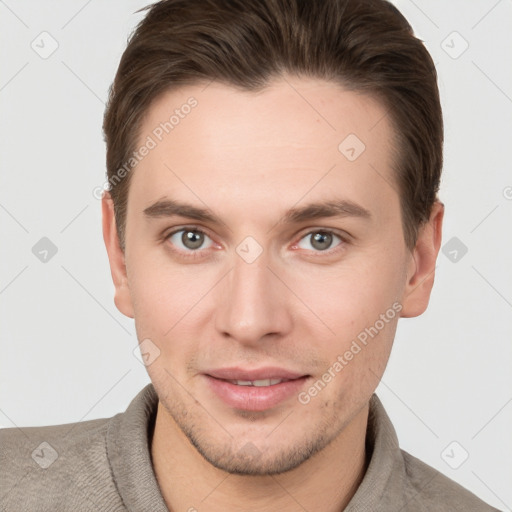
(253, 304)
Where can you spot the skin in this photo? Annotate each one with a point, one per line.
(249, 157)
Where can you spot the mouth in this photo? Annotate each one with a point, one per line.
(254, 390)
(258, 383)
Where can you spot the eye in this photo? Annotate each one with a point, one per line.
(189, 240)
(320, 240)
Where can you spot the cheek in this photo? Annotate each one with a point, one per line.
(161, 294)
(351, 298)
(163, 306)
(360, 307)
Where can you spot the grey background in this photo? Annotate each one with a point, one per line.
(67, 353)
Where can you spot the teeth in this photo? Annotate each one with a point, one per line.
(258, 383)
(242, 382)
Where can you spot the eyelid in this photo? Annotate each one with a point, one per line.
(177, 229)
(323, 229)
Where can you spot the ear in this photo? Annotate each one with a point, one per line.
(422, 264)
(122, 297)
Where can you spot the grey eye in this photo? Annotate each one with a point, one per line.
(190, 239)
(319, 240)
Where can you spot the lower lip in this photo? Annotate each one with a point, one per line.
(254, 398)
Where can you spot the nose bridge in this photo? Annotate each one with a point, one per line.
(252, 304)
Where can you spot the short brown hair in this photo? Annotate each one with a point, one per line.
(364, 45)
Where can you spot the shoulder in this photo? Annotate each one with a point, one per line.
(60, 465)
(429, 490)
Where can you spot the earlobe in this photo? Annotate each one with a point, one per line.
(116, 257)
(422, 265)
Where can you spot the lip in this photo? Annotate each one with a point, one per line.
(268, 372)
(254, 398)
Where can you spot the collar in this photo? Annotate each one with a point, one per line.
(128, 442)
(382, 487)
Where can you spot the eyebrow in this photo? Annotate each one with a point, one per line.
(337, 208)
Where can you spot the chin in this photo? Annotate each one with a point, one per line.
(249, 460)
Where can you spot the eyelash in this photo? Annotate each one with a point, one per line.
(195, 254)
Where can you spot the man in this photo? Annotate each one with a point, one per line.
(272, 210)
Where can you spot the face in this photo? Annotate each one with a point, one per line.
(265, 266)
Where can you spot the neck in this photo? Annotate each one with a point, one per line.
(327, 481)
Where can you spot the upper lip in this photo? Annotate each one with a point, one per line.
(268, 372)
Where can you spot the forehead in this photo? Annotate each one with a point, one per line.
(292, 138)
